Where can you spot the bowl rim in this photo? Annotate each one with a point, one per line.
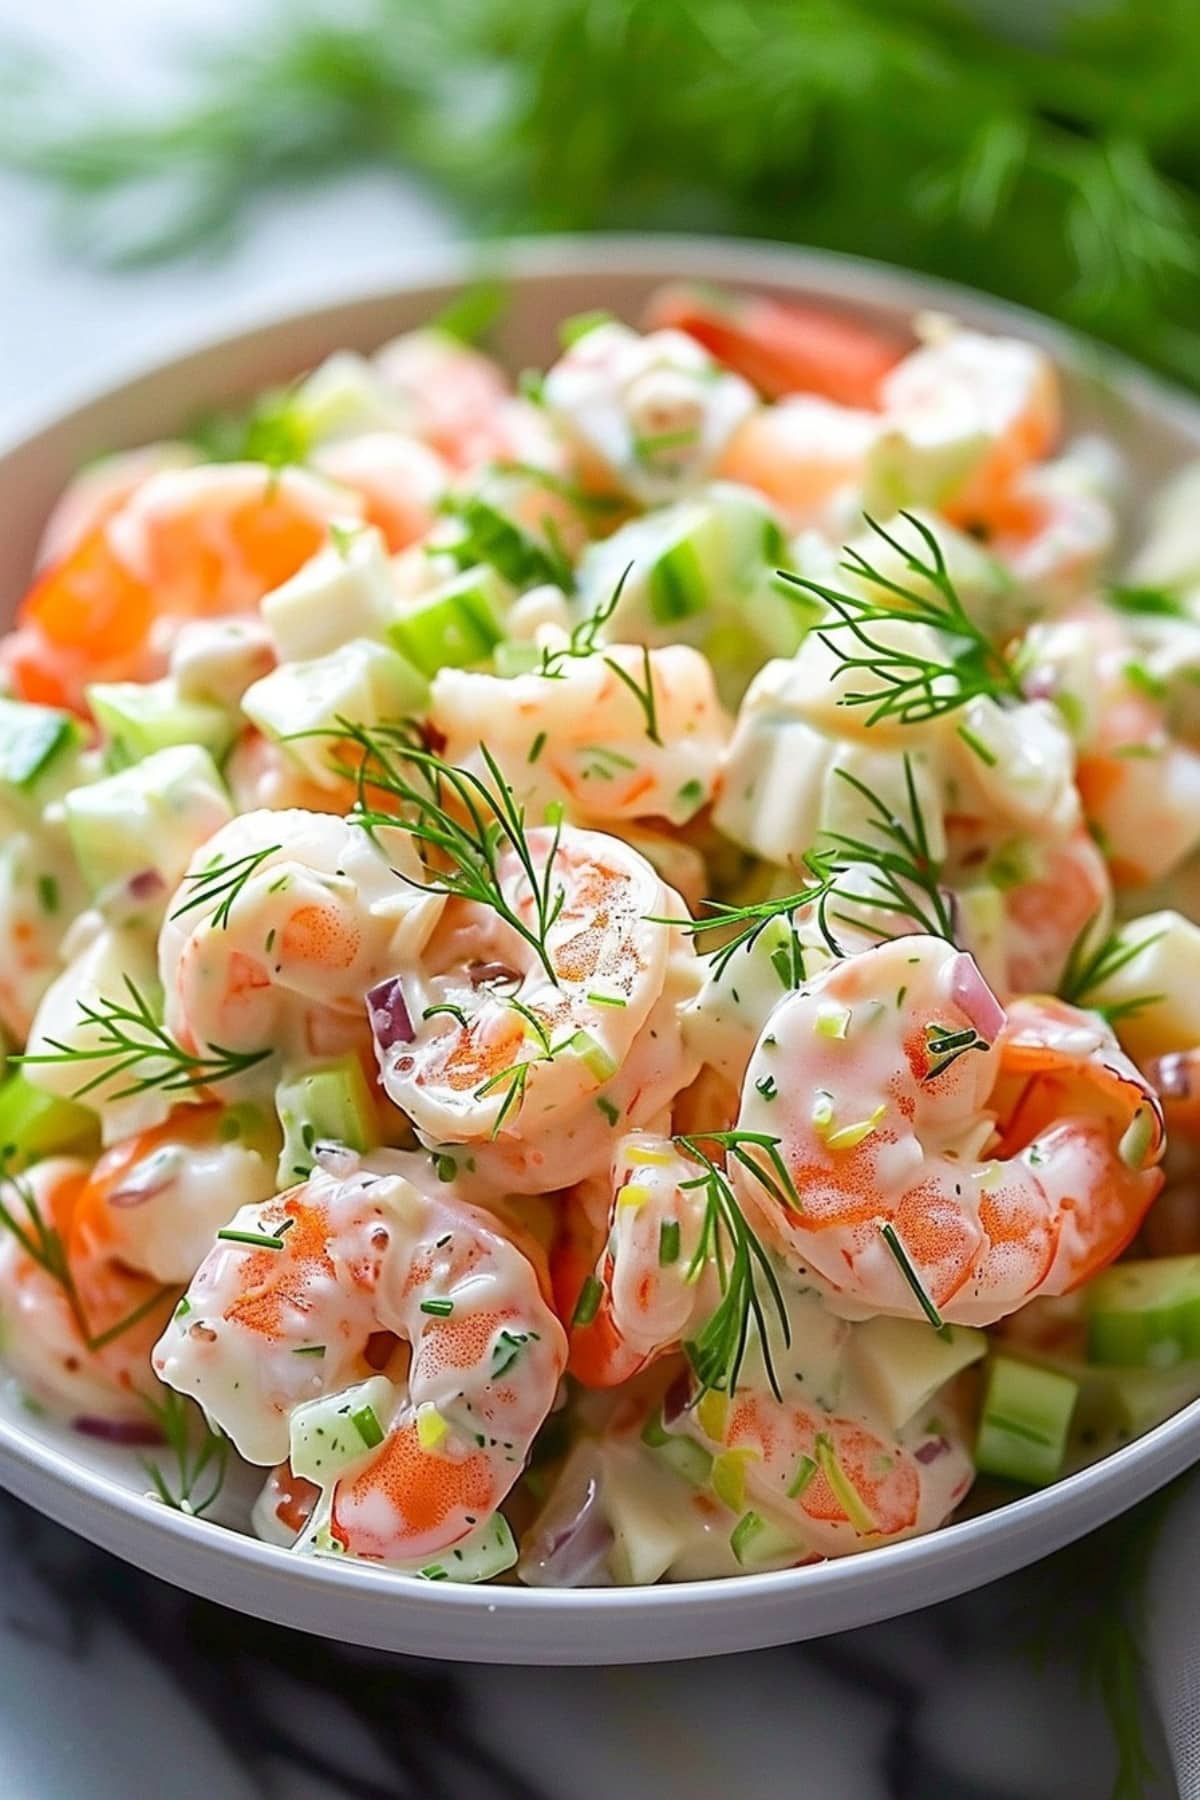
(1068, 1507)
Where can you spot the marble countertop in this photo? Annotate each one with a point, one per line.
(112, 1684)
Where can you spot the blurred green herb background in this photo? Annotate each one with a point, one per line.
(1048, 151)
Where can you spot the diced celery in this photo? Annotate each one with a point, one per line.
(324, 1438)
(34, 1124)
(677, 585)
(759, 1543)
(456, 626)
(139, 718)
(1025, 1421)
(688, 1459)
(147, 819)
(327, 1105)
(485, 1552)
(1145, 1314)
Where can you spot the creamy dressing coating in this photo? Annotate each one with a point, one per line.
(323, 911)
(951, 1145)
(270, 1326)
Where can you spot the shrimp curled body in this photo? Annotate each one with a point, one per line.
(1000, 1158)
(267, 1329)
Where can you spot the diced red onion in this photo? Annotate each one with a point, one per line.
(140, 1433)
(149, 1178)
(481, 972)
(388, 1012)
(677, 1398)
(147, 884)
(931, 1449)
(1172, 1075)
(571, 1554)
(971, 992)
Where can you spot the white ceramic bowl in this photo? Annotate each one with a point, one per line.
(100, 1491)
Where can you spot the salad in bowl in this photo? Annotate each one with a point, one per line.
(600, 969)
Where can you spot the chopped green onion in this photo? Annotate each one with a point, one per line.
(366, 1422)
(588, 1303)
(668, 1243)
(439, 1309)
(806, 1468)
(259, 1239)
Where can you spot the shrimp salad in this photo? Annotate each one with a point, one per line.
(601, 975)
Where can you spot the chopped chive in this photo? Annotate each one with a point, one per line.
(765, 1085)
(440, 1309)
(365, 1421)
(536, 748)
(743, 1534)
(47, 888)
(985, 754)
(806, 1468)
(691, 793)
(612, 1113)
(588, 1303)
(446, 1167)
(668, 1243)
(506, 1350)
(183, 1309)
(606, 1000)
(310, 1350)
(891, 1238)
(259, 1239)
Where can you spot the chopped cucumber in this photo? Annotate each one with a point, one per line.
(299, 703)
(456, 626)
(325, 1437)
(903, 1363)
(135, 832)
(34, 1124)
(490, 536)
(328, 1105)
(759, 1543)
(510, 658)
(1116, 1404)
(485, 1552)
(39, 748)
(139, 718)
(1025, 1421)
(1145, 1314)
(688, 1459)
(345, 591)
(701, 572)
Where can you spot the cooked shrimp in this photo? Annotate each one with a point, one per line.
(266, 1329)
(970, 413)
(399, 480)
(783, 347)
(188, 543)
(534, 1065)
(157, 1199)
(449, 393)
(282, 924)
(804, 454)
(80, 1337)
(100, 489)
(997, 1158)
(646, 416)
(581, 735)
(636, 1237)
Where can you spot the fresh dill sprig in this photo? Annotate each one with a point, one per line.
(907, 686)
(470, 846)
(1088, 970)
(130, 1040)
(223, 882)
(905, 875)
(176, 1418)
(583, 642)
(727, 1239)
(515, 1078)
